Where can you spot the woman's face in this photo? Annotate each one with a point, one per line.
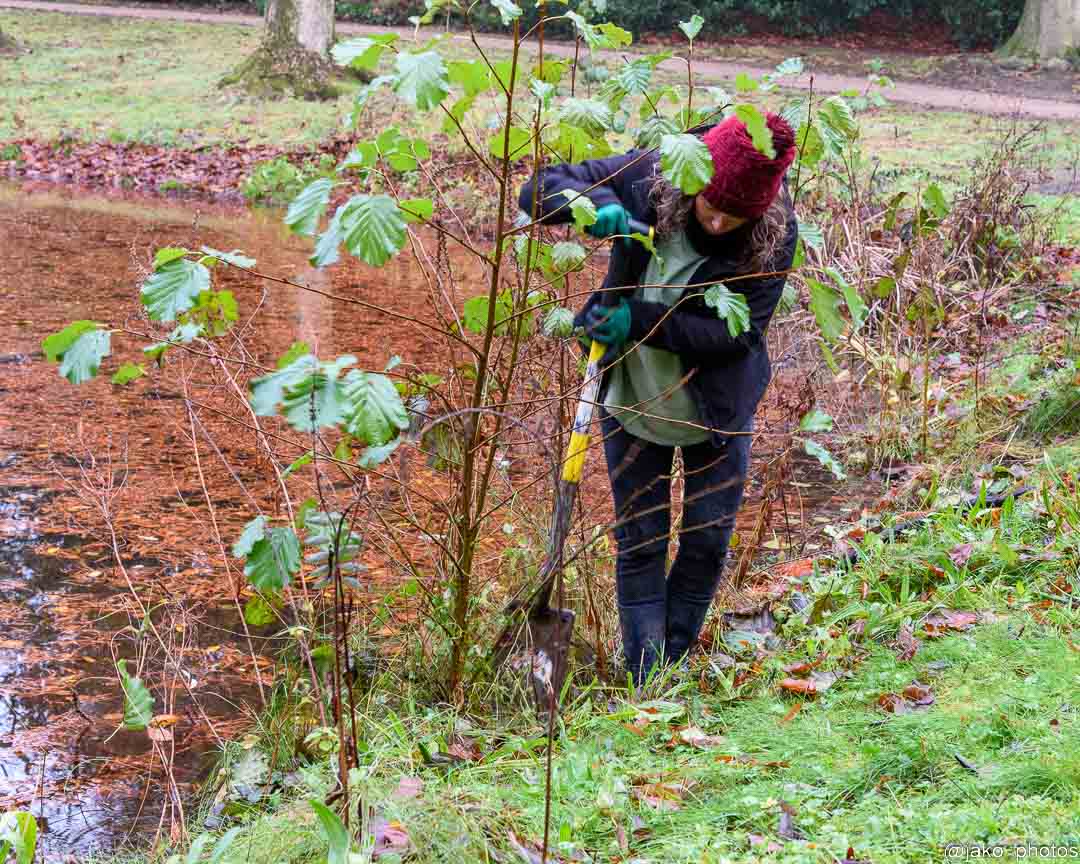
(715, 222)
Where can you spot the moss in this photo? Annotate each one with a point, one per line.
(275, 71)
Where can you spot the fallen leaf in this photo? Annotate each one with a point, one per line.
(663, 797)
(803, 668)
(391, 838)
(893, 703)
(786, 828)
(906, 643)
(818, 682)
(918, 694)
(947, 620)
(796, 569)
(961, 554)
(792, 711)
(408, 787)
(696, 737)
(762, 844)
(464, 748)
(850, 858)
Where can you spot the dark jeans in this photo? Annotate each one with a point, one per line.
(661, 612)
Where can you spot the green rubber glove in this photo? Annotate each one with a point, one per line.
(609, 324)
(611, 219)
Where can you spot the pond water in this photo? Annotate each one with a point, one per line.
(74, 460)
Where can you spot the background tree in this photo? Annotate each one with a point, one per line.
(8, 45)
(1047, 28)
(295, 52)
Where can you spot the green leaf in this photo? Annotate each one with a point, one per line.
(421, 79)
(173, 288)
(692, 27)
(799, 258)
(811, 146)
(361, 53)
(826, 458)
(83, 359)
(759, 131)
(236, 257)
(653, 130)
(258, 613)
(543, 91)
(508, 11)
(374, 412)
(567, 256)
(812, 235)
(475, 313)
(253, 532)
(79, 349)
(372, 228)
(306, 210)
(825, 304)
(273, 560)
(335, 832)
(372, 457)
(891, 210)
(268, 391)
(816, 420)
(138, 702)
(634, 77)
(856, 306)
(934, 201)
(519, 143)
(296, 350)
(612, 36)
(573, 144)
(686, 162)
(18, 833)
(837, 124)
(316, 401)
(223, 844)
(587, 114)
(582, 208)
(298, 463)
(416, 209)
(731, 306)
(472, 75)
(745, 84)
(326, 247)
(884, 287)
(559, 323)
(167, 254)
(127, 373)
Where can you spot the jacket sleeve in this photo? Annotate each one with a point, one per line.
(604, 181)
(704, 334)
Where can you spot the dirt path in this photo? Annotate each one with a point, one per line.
(906, 92)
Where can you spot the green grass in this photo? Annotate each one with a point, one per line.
(992, 760)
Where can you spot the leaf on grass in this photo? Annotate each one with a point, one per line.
(665, 797)
(731, 306)
(408, 787)
(791, 714)
(138, 702)
(818, 682)
(949, 620)
(696, 737)
(960, 555)
(906, 643)
(391, 838)
(915, 696)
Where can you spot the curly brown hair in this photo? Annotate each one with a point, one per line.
(673, 208)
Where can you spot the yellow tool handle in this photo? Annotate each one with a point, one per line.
(579, 437)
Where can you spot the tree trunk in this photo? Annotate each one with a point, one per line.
(1048, 28)
(8, 45)
(294, 56)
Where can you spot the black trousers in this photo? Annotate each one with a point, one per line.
(661, 612)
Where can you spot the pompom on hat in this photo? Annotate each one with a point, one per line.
(746, 181)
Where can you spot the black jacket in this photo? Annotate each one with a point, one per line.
(727, 376)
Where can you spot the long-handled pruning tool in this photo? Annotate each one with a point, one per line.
(545, 630)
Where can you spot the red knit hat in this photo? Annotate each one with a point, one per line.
(746, 181)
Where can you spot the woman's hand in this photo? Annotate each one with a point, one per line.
(609, 324)
(611, 219)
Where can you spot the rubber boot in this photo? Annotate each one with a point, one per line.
(643, 626)
(685, 619)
